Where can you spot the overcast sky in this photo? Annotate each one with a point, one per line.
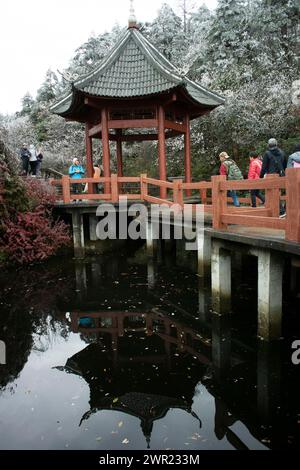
(36, 35)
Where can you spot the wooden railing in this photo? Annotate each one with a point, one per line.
(213, 195)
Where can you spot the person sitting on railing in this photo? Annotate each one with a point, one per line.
(294, 158)
(96, 186)
(76, 171)
(230, 169)
(254, 174)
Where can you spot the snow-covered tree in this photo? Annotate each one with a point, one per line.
(166, 33)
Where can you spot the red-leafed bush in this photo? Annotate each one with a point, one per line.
(33, 237)
(28, 231)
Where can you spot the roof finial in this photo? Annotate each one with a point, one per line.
(132, 19)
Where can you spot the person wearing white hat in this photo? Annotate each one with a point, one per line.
(76, 171)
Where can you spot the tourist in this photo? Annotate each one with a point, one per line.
(230, 169)
(274, 163)
(25, 155)
(273, 160)
(76, 171)
(32, 160)
(254, 174)
(294, 158)
(39, 157)
(97, 174)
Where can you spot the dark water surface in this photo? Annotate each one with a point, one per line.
(115, 353)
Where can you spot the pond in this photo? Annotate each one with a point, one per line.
(117, 352)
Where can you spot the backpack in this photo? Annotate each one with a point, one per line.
(233, 171)
(278, 164)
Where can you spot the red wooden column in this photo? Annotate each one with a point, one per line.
(89, 157)
(119, 157)
(105, 148)
(162, 149)
(187, 153)
(119, 153)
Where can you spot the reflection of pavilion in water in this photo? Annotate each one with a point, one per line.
(143, 353)
(144, 364)
(137, 362)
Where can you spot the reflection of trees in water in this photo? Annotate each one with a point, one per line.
(30, 319)
(47, 333)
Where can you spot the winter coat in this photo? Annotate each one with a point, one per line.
(32, 153)
(73, 171)
(273, 162)
(295, 157)
(254, 169)
(25, 153)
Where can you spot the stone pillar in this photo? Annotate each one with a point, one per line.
(151, 273)
(268, 380)
(151, 241)
(96, 273)
(93, 221)
(78, 234)
(269, 302)
(204, 253)
(221, 345)
(203, 300)
(220, 278)
(81, 281)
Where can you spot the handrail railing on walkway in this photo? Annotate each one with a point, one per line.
(216, 203)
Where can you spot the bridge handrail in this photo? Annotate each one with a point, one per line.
(222, 214)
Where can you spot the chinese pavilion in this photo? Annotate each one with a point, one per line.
(136, 94)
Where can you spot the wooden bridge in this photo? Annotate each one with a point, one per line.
(212, 194)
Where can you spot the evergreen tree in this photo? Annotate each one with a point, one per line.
(47, 92)
(166, 33)
(27, 104)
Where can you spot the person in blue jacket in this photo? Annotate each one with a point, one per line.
(76, 171)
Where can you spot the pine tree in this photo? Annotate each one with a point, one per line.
(47, 92)
(166, 33)
(27, 104)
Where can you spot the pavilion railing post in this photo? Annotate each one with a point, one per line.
(273, 197)
(114, 188)
(293, 204)
(203, 196)
(144, 186)
(219, 202)
(178, 192)
(66, 191)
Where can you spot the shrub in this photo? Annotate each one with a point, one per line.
(28, 231)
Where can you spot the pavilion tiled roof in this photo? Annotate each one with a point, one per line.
(135, 68)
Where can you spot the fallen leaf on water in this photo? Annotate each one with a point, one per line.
(125, 441)
(120, 424)
(98, 438)
(115, 400)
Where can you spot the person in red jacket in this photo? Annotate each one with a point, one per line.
(254, 174)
